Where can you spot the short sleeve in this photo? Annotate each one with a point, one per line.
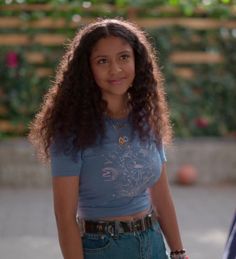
(162, 153)
(64, 162)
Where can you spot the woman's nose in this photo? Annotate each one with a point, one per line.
(115, 67)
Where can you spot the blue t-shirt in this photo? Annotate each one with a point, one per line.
(114, 178)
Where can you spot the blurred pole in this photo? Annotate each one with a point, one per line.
(230, 248)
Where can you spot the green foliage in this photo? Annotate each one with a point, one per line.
(202, 105)
(21, 90)
(205, 104)
(213, 8)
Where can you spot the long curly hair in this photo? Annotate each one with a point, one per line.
(73, 106)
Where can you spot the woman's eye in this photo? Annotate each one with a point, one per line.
(125, 57)
(102, 61)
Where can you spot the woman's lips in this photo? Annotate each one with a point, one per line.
(116, 81)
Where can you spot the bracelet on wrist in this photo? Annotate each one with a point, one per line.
(178, 254)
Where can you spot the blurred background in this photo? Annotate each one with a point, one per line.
(196, 46)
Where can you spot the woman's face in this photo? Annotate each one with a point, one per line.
(113, 66)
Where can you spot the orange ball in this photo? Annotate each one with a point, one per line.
(186, 175)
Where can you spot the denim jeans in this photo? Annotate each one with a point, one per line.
(148, 244)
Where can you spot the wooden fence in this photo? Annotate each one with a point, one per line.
(23, 38)
(58, 39)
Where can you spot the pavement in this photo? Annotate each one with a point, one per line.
(28, 229)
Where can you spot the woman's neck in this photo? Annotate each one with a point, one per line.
(118, 108)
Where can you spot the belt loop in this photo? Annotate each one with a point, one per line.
(81, 224)
(143, 224)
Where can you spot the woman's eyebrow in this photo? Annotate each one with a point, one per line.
(107, 55)
(125, 51)
(99, 56)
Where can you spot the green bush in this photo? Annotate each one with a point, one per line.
(205, 104)
(21, 91)
(200, 106)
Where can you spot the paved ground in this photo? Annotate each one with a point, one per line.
(28, 231)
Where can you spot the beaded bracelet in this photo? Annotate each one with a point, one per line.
(178, 254)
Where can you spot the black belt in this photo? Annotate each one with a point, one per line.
(114, 228)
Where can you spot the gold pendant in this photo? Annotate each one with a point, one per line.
(123, 140)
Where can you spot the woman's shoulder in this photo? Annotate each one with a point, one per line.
(62, 144)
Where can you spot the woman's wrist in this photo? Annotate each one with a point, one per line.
(178, 254)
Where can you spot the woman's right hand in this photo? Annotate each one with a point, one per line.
(65, 196)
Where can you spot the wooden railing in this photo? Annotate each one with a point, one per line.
(21, 37)
(58, 39)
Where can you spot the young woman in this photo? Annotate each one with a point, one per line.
(103, 125)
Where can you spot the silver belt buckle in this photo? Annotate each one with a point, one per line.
(114, 229)
(110, 230)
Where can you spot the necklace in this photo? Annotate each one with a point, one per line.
(122, 139)
(120, 114)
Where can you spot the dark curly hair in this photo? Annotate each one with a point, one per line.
(73, 106)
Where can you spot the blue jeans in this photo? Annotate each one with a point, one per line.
(148, 244)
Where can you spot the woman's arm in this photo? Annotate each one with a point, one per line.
(163, 204)
(65, 194)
